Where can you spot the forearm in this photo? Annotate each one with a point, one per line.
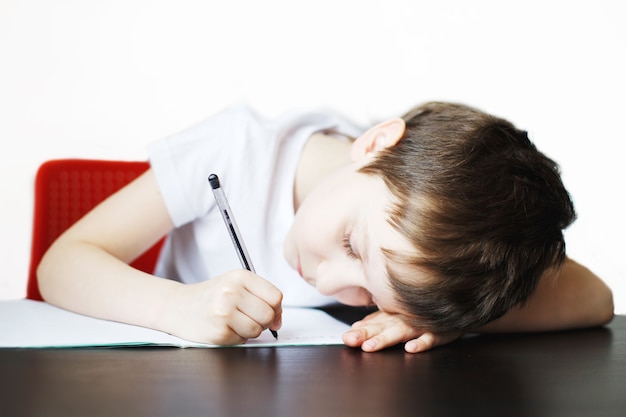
(573, 297)
(86, 279)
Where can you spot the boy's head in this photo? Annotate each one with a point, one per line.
(483, 208)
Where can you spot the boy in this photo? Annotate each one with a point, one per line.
(448, 220)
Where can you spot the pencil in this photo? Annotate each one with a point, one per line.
(233, 230)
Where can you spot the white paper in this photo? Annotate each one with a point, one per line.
(35, 324)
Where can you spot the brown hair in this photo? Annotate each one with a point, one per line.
(482, 206)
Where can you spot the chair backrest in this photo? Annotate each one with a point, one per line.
(65, 190)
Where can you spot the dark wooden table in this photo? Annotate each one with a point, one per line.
(577, 373)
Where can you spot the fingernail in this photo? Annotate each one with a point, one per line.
(370, 344)
(349, 337)
(411, 346)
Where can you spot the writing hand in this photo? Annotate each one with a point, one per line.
(225, 310)
(380, 330)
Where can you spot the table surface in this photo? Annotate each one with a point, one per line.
(573, 373)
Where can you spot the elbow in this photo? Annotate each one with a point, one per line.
(607, 310)
(47, 271)
(43, 275)
(604, 310)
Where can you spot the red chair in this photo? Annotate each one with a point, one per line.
(65, 190)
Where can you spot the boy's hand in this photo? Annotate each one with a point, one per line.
(225, 310)
(380, 330)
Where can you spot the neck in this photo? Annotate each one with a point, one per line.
(321, 155)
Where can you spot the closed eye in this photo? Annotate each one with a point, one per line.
(348, 247)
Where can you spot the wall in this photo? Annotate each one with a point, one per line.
(101, 79)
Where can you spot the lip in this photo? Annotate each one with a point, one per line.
(309, 281)
(297, 266)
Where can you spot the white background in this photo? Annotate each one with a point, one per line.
(101, 79)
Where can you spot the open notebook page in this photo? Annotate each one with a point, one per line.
(35, 324)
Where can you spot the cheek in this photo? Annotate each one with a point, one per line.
(316, 221)
(307, 232)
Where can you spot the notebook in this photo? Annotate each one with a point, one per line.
(36, 324)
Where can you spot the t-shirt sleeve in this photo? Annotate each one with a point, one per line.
(237, 144)
(183, 162)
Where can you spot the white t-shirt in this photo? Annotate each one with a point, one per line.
(255, 159)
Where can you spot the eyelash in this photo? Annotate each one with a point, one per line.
(348, 246)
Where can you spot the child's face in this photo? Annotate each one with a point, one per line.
(336, 239)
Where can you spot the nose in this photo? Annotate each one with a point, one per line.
(340, 279)
(331, 278)
(342, 283)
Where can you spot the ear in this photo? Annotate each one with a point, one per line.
(379, 137)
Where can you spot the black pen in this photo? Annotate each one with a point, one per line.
(233, 230)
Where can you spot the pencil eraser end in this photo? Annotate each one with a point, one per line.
(214, 181)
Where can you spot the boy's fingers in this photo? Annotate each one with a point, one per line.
(387, 338)
(265, 290)
(430, 340)
(278, 321)
(357, 335)
(353, 338)
(260, 311)
(374, 337)
(244, 327)
(423, 343)
(362, 330)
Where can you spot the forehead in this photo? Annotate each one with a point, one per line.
(372, 217)
(387, 247)
(382, 243)
(376, 213)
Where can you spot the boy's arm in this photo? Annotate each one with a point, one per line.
(573, 297)
(86, 270)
